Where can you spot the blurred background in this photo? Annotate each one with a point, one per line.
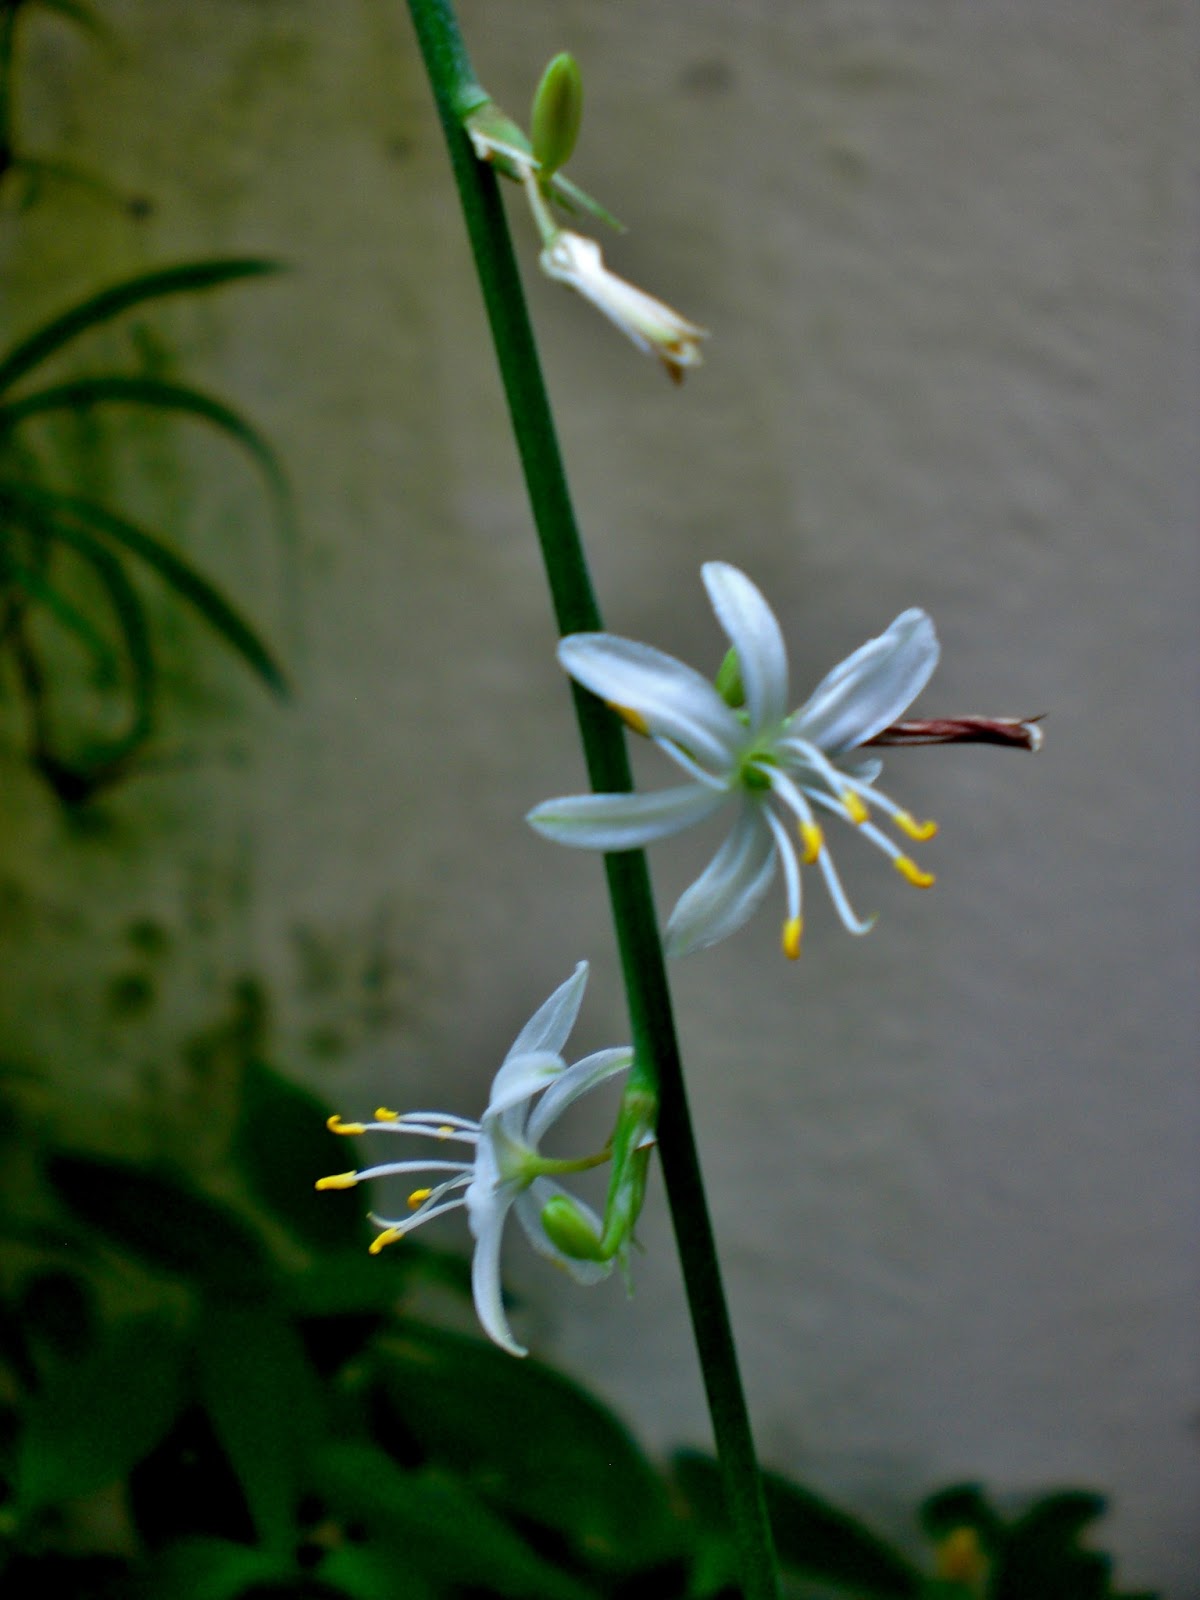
(947, 255)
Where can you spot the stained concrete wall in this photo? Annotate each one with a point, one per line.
(947, 254)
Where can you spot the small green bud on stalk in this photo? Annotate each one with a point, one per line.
(729, 681)
(557, 111)
(568, 1228)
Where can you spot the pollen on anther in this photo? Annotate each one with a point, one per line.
(813, 840)
(445, 1131)
(336, 1125)
(382, 1114)
(388, 1236)
(914, 829)
(857, 810)
(338, 1180)
(418, 1198)
(792, 929)
(908, 868)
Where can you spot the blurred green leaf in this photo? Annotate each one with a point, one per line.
(365, 1572)
(39, 590)
(264, 1403)
(164, 1222)
(58, 1310)
(531, 1441)
(435, 1524)
(119, 389)
(282, 1147)
(813, 1537)
(94, 1420)
(76, 522)
(210, 1569)
(960, 1505)
(1041, 1557)
(351, 1282)
(187, 278)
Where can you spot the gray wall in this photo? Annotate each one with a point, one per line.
(945, 250)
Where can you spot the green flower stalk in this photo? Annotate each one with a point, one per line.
(657, 1067)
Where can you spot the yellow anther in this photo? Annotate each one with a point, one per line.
(631, 719)
(382, 1114)
(339, 1180)
(418, 1198)
(445, 1131)
(388, 1236)
(908, 868)
(914, 829)
(858, 811)
(792, 929)
(336, 1125)
(813, 839)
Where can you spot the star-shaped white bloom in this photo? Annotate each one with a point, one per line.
(503, 1169)
(776, 768)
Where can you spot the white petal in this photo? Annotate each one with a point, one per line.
(550, 1026)
(487, 1226)
(623, 821)
(871, 688)
(570, 1085)
(754, 633)
(674, 700)
(520, 1078)
(529, 1207)
(728, 890)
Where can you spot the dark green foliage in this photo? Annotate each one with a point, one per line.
(75, 560)
(278, 1427)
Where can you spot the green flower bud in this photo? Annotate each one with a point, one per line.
(729, 681)
(557, 110)
(568, 1228)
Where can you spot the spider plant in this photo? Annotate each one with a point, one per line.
(46, 530)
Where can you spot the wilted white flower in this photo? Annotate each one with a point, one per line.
(776, 768)
(651, 325)
(502, 1168)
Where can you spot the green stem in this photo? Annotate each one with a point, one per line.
(456, 90)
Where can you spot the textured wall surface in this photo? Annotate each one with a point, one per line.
(947, 254)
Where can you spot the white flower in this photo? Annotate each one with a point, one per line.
(503, 1169)
(653, 326)
(774, 768)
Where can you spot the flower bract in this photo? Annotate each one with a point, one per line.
(497, 1166)
(778, 770)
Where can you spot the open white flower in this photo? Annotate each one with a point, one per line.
(502, 1168)
(651, 325)
(775, 768)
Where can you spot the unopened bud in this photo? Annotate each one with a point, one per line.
(557, 111)
(567, 1227)
(729, 681)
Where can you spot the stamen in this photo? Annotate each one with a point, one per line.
(631, 718)
(908, 868)
(813, 839)
(339, 1180)
(418, 1198)
(336, 1125)
(858, 811)
(791, 879)
(388, 1236)
(382, 1114)
(908, 824)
